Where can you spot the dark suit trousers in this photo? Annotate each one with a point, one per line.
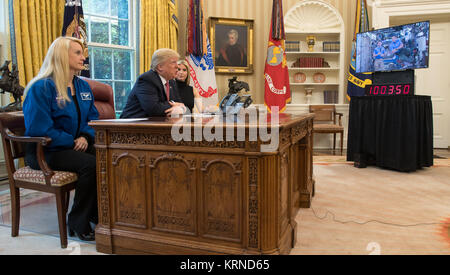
(84, 208)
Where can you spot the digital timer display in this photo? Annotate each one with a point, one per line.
(390, 89)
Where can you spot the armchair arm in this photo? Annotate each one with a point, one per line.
(42, 140)
(40, 143)
(340, 118)
(48, 173)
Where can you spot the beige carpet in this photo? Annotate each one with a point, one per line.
(343, 159)
(376, 211)
(30, 243)
(412, 211)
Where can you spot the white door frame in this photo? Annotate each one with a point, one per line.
(385, 10)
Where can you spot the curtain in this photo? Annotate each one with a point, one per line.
(158, 29)
(37, 23)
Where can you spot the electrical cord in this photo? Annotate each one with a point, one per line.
(373, 221)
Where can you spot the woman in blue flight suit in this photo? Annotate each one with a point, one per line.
(59, 105)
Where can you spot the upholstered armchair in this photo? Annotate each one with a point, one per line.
(59, 183)
(104, 98)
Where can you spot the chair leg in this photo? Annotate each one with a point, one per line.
(342, 143)
(15, 211)
(334, 144)
(60, 205)
(67, 200)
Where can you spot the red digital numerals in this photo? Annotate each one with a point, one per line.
(401, 89)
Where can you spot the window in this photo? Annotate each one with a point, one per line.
(112, 45)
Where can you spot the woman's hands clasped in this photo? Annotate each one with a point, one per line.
(81, 144)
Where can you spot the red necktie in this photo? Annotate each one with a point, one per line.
(168, 91)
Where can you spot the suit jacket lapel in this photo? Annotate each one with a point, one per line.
(157, 79)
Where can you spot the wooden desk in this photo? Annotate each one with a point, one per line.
(159, 196)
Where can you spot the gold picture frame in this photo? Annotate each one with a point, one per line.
(232, 44)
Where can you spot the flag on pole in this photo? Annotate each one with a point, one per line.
(357, 81)
(75, 26)
(200, 59)
(277, 88)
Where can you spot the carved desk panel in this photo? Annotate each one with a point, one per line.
(160, 194)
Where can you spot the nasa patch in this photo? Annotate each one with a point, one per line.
(86, 96)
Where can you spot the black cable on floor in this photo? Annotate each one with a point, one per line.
(375, 221)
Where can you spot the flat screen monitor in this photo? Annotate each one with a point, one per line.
(392, 49)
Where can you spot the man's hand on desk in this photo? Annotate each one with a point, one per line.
(176, 109)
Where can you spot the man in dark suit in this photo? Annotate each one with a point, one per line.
(155, 92)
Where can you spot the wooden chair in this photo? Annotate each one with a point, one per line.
(325, 122)
(60, 183)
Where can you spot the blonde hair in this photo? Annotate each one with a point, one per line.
(184, 63)
(56, 66)
(162, 55)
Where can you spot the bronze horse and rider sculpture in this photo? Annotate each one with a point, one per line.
(9, 82)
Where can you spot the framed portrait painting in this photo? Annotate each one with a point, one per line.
(232, 44)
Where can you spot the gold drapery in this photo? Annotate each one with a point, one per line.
(158, 29)
(37, 24)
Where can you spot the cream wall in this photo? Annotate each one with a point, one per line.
(261, 12)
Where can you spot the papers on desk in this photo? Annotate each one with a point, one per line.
(125, 120)
(202, 115)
